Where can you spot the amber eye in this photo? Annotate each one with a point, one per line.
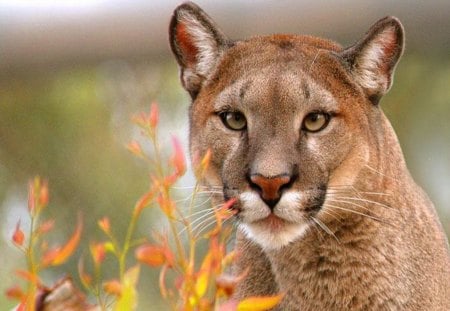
(315, 121)
(234, 120)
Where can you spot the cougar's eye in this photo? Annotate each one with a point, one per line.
(233, 120)
(315, 121)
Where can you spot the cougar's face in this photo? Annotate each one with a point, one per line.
(289, 119)
(280, 139)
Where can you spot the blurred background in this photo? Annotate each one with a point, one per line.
(73, 73)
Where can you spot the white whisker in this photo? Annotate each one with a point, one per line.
(210, 220)
(351, 203)
(200, 219)
(325, 228)
(366, 201)
(353, 211)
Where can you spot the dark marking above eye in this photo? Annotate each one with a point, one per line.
(306, 91)
(244, 89)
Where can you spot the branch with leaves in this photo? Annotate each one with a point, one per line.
(188, 279)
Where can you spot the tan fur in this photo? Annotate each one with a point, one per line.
(374, 242)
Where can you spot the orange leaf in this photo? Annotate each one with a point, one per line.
(16, 293)
(85, 278)
(18, 235)
(154, 116)
(162, 281)
(140, 119)
(259, 303)
(43, 194)
(113, 287)
(230, 258)
(31, 197)
(135, 148)
(202, 167)
(178, 160)
(98, 252)
(45, 227)
(143, 202)
(59, 255)
(28, 276)
(226, 211)
(167, 206)
(226, 284)
(151, 255)
(104, 225)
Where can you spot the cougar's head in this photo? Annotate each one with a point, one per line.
(288, 118)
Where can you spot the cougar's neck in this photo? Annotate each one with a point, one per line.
(386, 170)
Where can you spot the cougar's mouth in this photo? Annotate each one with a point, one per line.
(288, 220)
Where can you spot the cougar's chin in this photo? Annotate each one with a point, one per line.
(271, 238)
(272, 229)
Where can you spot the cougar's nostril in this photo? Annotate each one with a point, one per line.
(270, 188)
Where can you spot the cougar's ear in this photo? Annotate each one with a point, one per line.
(372, 60)
(197, 44)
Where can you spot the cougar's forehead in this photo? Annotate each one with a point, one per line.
(276, 94)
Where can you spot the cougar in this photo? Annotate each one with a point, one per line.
(327, 212)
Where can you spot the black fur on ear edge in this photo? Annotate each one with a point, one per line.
(372, 60)
(197, 43)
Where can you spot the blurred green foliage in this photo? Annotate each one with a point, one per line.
(71, 126)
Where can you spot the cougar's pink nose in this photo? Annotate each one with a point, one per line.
(270, 188)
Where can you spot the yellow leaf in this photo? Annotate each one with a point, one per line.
(259, 303)
(109, 247)
(202, 283)
(128, 297)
